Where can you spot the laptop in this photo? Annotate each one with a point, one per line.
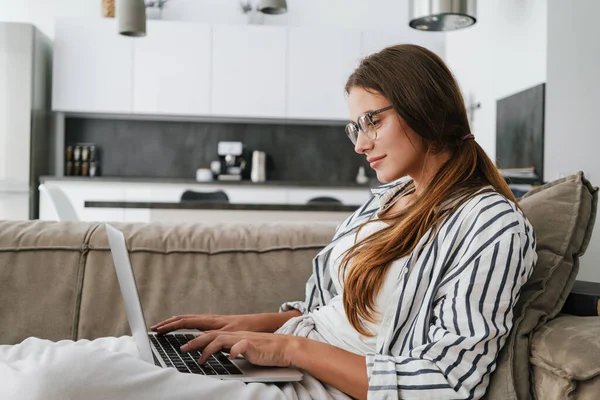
(163, 350)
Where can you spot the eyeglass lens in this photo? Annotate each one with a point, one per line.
(363, 125)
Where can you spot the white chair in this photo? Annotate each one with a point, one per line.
(61, 204)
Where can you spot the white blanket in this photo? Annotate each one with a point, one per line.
(110, 368)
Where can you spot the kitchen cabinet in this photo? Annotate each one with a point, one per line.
(92, 67)
(80, 192)
(346, 196)
(248, 71)
(171, 69)
(171, 193)
(376, 40)
(319, 63)
(246, 217)
(225, 72)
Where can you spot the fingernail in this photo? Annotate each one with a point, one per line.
(185, 347)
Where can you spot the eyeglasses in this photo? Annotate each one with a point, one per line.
(365, 124)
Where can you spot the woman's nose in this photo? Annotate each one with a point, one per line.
(363, 144)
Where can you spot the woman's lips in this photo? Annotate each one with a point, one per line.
(374, 162)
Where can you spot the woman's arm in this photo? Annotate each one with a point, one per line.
(468, 329)
(344, 370)
(273, 321)
(267, 322)
(339, 368)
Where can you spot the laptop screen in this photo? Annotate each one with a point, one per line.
(133, 307)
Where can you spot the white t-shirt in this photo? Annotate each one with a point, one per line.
(331, 320)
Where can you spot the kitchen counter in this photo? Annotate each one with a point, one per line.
(202, 205)
(321, 184)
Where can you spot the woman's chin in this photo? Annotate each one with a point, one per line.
(384, 177)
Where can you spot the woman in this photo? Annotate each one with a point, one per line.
(413, 298)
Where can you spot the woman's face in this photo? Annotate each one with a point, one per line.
(397, 150)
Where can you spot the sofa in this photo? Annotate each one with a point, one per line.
(57, 281)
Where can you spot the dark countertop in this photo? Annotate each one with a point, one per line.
(202, 205)
(321, 184)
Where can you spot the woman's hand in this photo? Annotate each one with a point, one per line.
(269, 322)
(266, 349)
(205, 322)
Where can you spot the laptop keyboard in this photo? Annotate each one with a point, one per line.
(168, 348)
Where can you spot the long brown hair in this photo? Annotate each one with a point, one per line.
(425, 94)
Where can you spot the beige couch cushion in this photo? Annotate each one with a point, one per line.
(563, 214)
(565, 354)
(41, 266)
(196, 268)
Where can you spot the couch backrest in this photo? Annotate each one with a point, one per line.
(57, 279)
(563, 215)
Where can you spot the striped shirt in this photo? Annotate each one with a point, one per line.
(453, 308)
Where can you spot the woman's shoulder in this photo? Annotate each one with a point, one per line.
(490, 213)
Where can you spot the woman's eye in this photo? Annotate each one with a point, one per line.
(376, 122)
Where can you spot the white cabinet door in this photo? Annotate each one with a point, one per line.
(376, 40)
(92, 67)
(80, 192)
(171, 69)
(171, 192)
(320, 62)
(248, 69)
(256, 195)
(347, 196)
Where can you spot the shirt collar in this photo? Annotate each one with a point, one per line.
(385, 192)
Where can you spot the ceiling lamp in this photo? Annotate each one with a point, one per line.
(131, 17)
(272, 6)
(442, 15)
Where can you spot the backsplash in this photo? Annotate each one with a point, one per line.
(176, 149)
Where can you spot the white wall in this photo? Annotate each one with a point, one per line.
(504, 53)
(572, 134)
(361, 14)
(42, 13)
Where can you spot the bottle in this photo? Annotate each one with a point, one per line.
(85, 150)
(85, 168)
(259, 166)
(92, 153)
(93, 169)
(77, 154)
(361, 177)
(69, 153)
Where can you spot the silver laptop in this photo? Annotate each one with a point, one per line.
(163, 350)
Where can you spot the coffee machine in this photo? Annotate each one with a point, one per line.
(232, 165)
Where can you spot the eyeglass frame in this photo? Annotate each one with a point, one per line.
(369, 115)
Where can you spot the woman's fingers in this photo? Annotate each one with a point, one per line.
(258, 348)
(220, 342)
(170, 320)
(200, 322)
(211, 342)
(199, 342)
(239, 348)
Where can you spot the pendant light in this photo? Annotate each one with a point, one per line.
(131, 16)
(272, 6)
(442, 15)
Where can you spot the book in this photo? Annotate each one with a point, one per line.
(584, 300)
(518, 172)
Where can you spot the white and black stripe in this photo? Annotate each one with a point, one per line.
(453, 307)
